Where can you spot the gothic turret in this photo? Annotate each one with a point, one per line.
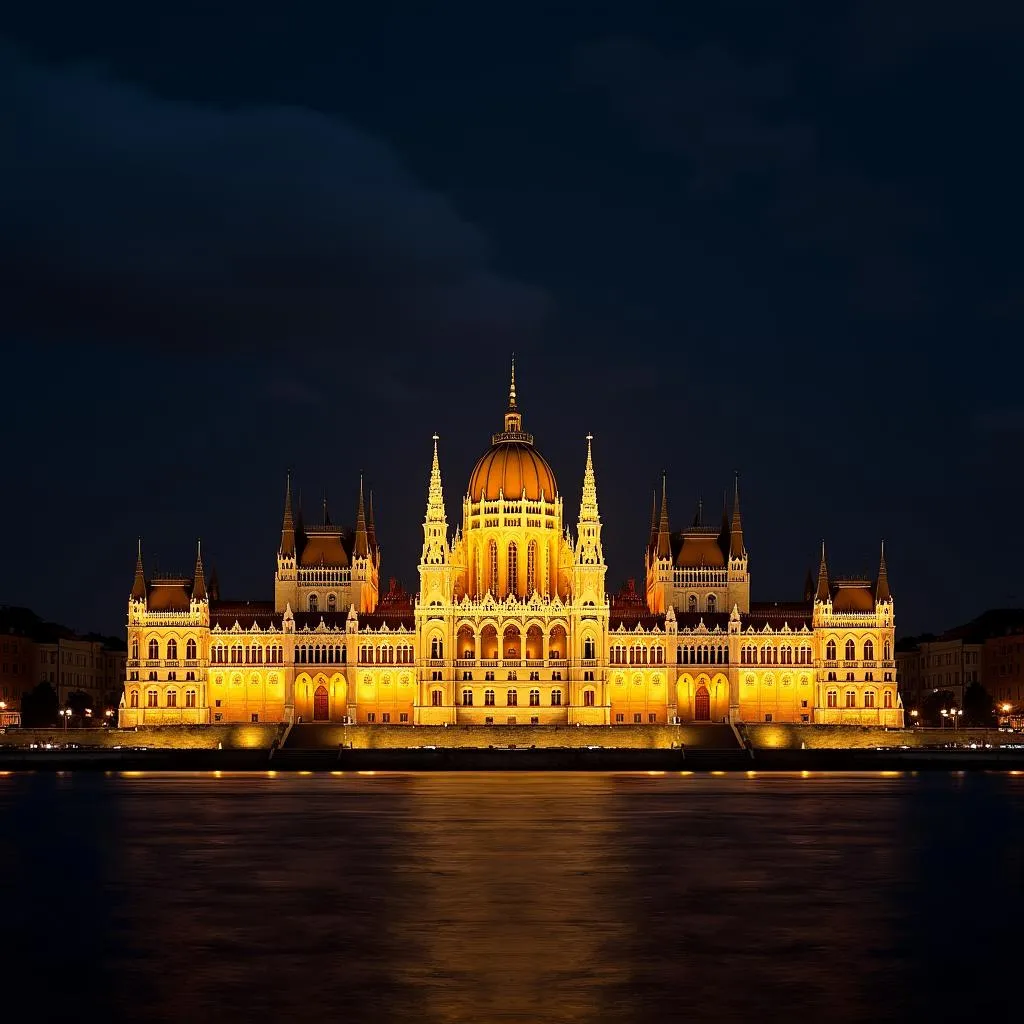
(882, 592)
(139, 585)
(736, 548)
(362, 540)
(287, 522)
(823, 593)
(588, 543)
(664, 548)
(198, 578)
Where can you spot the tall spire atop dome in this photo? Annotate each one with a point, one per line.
(139, 585)
(588, 506)
(513, 417)
(664, 536)
(512, 386)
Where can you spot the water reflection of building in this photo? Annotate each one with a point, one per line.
(512, 623)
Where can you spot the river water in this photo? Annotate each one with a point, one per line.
(512, 897)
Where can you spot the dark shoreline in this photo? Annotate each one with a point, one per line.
(504, 759)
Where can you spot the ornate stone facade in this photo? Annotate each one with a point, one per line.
(512, 624)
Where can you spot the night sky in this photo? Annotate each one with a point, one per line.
(776, 238)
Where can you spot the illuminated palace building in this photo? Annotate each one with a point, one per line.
(512, 624)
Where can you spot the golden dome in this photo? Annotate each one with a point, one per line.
(853, 597)
(512, 467)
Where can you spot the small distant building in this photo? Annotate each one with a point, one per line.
(1003, 674)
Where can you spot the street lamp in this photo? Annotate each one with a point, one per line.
(955, 713)
(65, 713)
(913, 715)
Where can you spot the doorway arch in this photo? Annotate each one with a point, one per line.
(321, 705)
(702, 704)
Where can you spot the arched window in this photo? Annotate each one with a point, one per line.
(332, 603)
(134, 700)
(691, 605)
(492, 567)
(436, 698)
(535, 698)
(556, 698)
(830, 651)
(436, 648)
(531, 568)
(887, 699)
(679, 654)
(712, 602)
(154, 650)
(489, 698)
(787, 655)
(190, 650)
(851, 698)
(152, 697)
(851, 650)
(172, 650)
(172, 698)
(467, 698)
(512, 567)
(135, 650)
(832, 699)
(869, 651)
(190, 698)
(589, 648)
(869, 698)
(588, 698)
(511, 698)
(314, 603)
(255, 655)
(888, 651)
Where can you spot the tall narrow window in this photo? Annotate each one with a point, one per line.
(467, 698)
(589, 648)
(869, 651)
(830, 651)
(190, 650)
(531, 568)
(151, 698)
(512, 580)
(332, 603)
(154, 650)
(534, 698)
(851, 698)
(512, 698)
(832, 699)
(190, 698)
(691, 605)
(556, 698)
(135, 698)
(489, 698)
(172, 650)
(887, 699)
(314, 603)
(492, 567)
(712, 602)
(588, 698)
(172, 698)
(851, 650)
(436, 697)
(135, 650)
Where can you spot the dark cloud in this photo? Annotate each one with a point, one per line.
(128, 217)
(729, 120)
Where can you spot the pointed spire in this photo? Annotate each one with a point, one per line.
(139, 585)
(652, 539)
(736, 548)
(823, 592)
(512, 386)
(513, 417)
(371, 526)
(882, 587)
(698, 516)
(664, 537)
(288, 522)
(362, 541)
(435, 495)
(588, 506)
(199, 580)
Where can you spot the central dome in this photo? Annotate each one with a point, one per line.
(510, 468)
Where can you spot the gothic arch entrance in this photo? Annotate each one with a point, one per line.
(702, 704)
(321, 705)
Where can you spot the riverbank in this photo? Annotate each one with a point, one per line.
(506, 759)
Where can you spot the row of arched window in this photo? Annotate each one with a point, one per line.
(386, 654)
(320, 654)
(153, 650)
(313, 602)
(702, 654)
(153, 699)
(247, 654)
(832, 699)
(491, 581)
(710, 604)
(511, 698)
(850, 651)
(637, 654)
(784, 655)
